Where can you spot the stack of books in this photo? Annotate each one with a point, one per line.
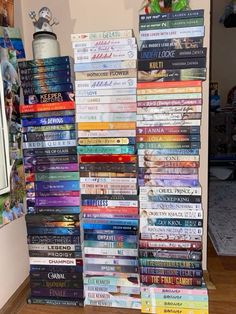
(171, 68)
(52, 183)
(105, 96)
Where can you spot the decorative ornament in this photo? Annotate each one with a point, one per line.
(45, 44)
(180, 5)
(163, 6)
(45, 21)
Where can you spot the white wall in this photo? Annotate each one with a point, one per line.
(14, 259)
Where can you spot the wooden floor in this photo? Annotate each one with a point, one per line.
(222, 271)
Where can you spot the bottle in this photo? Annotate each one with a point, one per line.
(45, 45)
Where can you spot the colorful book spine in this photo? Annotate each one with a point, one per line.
(52, 182)
(171, 68)
(106, 81)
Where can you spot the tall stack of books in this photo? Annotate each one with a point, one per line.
(171, 68)
(105, 90)
(52, 185)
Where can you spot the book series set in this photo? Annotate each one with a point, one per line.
(111, 156)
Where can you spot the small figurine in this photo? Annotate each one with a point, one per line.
(163, 6)
(152, 6)
(44, 22)
(180, 5)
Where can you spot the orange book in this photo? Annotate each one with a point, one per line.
(169, 84)
(106, 126)
(66, 105)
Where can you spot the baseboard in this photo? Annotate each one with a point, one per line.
(210, 285)
(17, 300)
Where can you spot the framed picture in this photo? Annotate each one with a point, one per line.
(7, 13)
(4, 145)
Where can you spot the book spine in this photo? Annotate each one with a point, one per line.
(171, 24)
(106, 83)
(163, 263)
(169, 103)
(45, 76)
(168, 138)
(168, 75)
(106, 117)
(171, 272)
(175, 90)
(106, 133)
(116, 55)
(45, 98)
(103, 92)
(174, 230)
(55, 292)
(170, 33)
(169, 97)
(170, 16)
(108, 99)
(169, 145)
(172, 53)
(167, 170)
(101, 35)
(55, 302)
(65, 284)
(84, 150)
(57, 240)
(167, 280)
(50, 152)
(181, 245)
(188, 223)
(106, 126)
(107, 42)
(129, 107)
(172, 310)
(120, 303)
(149, 191)
(179, 43)
(173, 122)
(105, 48)
(44, 62)
(67, 105)
(43, 83)
(106, 74)
(49, 136)
(28, 73)
(48, 89)
(171, 198)
(172, 109)
(106, 65)
(49, 144)
(157, 64)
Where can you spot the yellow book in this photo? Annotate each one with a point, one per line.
(106, 125)
(168, 310)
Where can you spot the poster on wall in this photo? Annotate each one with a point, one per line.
(11, 94)
(12, 188)
(10, 38)
(3, 155)
(7, 13)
